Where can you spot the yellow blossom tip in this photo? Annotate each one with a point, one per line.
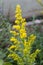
(18, 6)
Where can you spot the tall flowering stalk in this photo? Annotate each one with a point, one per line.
(21, 43)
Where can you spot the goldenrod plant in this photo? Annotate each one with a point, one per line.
(20, 49)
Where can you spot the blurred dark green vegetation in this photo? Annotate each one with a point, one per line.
(5, 27)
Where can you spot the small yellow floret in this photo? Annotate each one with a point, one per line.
(12, 47)
(13, 39)
(17, 22)
(17, 27)
(23, 35)
(14, 33)
(22, 30)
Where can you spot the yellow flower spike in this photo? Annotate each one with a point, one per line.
(12, 47)
(13, 39)
(9, 55)
(17, 15)
(22, 31)
(17, 22)
(23, 20)
(18, 9)
(23, 25)
(23, 35)
(18, 6)
(14, 33)
(17, 27)
(33, 55)
(25, 43)
(32, 37)
(19, 18)
(11, 31)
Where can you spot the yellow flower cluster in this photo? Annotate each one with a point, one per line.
(12, 47)
(13, 40)
(23, 33)
(31, 39)
(22, 43)
(18, 13)
(28, 44)
(33, 55)
(14, 56)
(21, 22)
(17, 27)
(14, 33)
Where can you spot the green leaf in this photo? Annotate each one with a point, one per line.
(7, 63)
(1, 62)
